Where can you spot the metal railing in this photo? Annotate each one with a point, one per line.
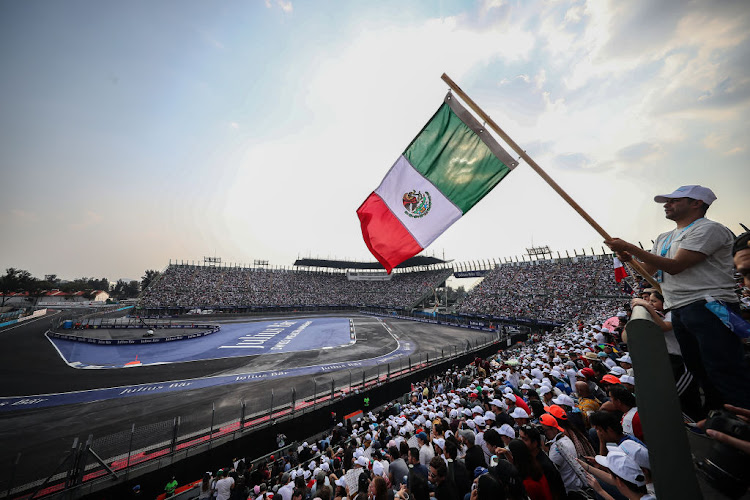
(140, 449)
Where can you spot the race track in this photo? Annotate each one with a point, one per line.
(233, 340)
(77, 402)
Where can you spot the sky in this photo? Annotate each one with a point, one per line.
(132, 133)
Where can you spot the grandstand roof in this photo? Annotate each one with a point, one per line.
(346, 264)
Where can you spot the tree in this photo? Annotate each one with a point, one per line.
(36, 289)
(102, 284)
(149, 277)
(118, 291)
(125, 290)
(133, 289)
(52, 279)
(14, 280)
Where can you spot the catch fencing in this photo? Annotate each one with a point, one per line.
(90, 463)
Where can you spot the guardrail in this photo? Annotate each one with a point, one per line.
(208, 330)
(146, 448)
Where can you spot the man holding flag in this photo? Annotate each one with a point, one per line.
(691, 262)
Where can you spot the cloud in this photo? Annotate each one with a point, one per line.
(539, 148)
(637, 152)
(210, 40)
(573, 161)
(522, 97)
(285, 6)
(724, 144)
(594, 83)
(23, 216)
(636, 27)
(86, 221)
(234, 125)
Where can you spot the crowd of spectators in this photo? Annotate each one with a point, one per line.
(545, 290)
(551, 290)
(557, 418)
(205, 286)
(552, 419)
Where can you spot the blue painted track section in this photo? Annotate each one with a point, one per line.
(234, 339)
(404, 348)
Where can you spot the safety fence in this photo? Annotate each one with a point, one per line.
(89, 465)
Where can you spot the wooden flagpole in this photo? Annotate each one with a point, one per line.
(494, 126)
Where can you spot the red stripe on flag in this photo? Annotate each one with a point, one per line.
(620, 271)
(384, 235)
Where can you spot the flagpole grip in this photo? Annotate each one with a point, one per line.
(515, 147)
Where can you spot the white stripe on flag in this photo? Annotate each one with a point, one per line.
(403, 178)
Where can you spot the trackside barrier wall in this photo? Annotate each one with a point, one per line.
(433, 321)
(20, 319)
(87, 340)
(298, 412)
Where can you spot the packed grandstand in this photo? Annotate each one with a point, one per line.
(482, 423)
(477, 431)
(559, 290)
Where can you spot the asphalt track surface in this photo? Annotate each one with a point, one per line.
(233, 340)
(30, 365)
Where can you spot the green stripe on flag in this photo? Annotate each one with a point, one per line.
(455, 159)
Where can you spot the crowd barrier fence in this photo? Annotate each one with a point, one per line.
(88, 466)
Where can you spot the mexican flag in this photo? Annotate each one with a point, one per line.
(620, 271)
(451, 165)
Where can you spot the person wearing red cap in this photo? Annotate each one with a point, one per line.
(589, 376)
(580, 441)
(562, 453)
(531, 436)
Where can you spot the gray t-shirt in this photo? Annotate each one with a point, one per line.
(713, 276)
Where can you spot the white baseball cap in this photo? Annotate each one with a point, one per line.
(507, 430)
(692, 191)
(564, 399)
(634, 450)
(519, 413)
(623, 466)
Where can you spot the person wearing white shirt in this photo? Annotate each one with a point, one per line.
(562, 453)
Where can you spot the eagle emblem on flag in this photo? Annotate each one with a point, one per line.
(417, 204)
